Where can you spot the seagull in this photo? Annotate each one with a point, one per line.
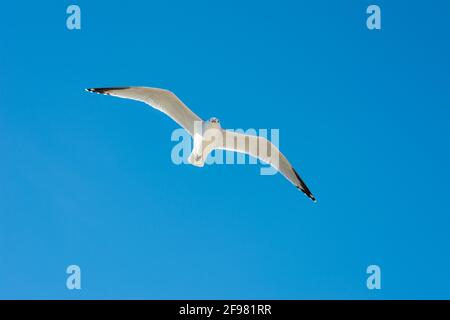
(168, 103)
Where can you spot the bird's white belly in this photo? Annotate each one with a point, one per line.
(203, 145)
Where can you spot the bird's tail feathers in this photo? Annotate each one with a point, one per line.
(196, 159)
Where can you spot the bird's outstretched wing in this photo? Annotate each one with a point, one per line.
(163, 100)
(264, 150)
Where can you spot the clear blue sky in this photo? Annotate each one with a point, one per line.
(364, 116)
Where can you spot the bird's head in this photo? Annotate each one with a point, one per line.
(214, 121)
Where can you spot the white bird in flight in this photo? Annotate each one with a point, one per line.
(168, 103)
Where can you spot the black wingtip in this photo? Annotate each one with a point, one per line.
(308, 194)
(104, 90)
(97, 90)
(302, 187)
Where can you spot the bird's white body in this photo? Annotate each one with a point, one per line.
(206, 138)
